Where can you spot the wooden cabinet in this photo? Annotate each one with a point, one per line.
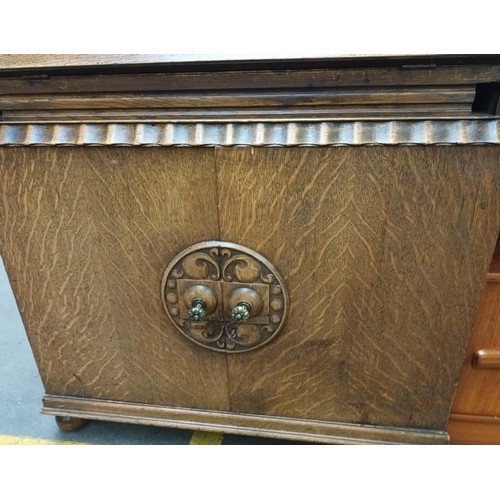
(382, 244)
(475, 416)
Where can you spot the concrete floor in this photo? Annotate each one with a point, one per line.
(21, 392)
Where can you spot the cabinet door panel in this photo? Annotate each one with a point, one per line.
(87, 235)
(384, 252)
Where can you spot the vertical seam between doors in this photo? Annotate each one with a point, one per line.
(219, 238)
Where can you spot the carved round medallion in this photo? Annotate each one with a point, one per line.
(224, 296)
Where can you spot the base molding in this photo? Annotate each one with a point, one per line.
(315, 431)
(474, 429)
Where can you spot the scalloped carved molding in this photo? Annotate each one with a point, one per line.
(357, 133)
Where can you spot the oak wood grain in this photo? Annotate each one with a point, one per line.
(384, 252)
(86, 234)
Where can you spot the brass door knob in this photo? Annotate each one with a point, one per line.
(198, 310)
(241, 312)
(201, 301)
(244, 304)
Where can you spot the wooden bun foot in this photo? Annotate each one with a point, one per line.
(70, 423)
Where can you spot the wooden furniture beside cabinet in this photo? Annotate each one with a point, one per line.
(308, 265)
(475, 417)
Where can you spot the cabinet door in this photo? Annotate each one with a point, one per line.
(384, 252)
(87, 235)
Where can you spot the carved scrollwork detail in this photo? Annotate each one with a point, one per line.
(244, 268)
(205, 333)
(247, 335)
(233, 272)
(199, 265)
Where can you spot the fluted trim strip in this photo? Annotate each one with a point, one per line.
(254, 134)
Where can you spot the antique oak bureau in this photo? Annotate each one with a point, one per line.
(293, 248)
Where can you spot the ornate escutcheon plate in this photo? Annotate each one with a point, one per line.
(206, 286)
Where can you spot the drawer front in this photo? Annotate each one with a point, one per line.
(479, 388)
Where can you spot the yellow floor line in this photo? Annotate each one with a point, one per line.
(32, 441)
(201, 437)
